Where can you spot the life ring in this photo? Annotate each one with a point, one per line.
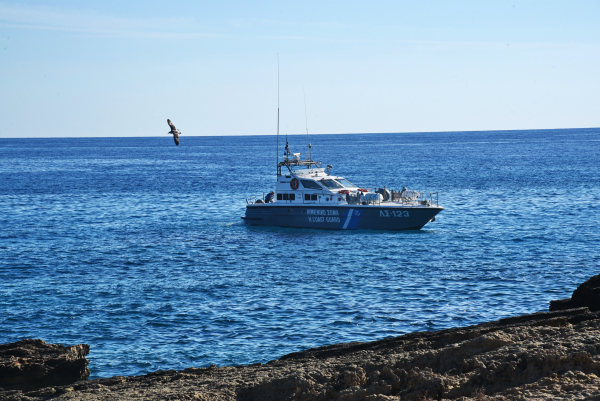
(344, 191)
(363, 190)
(294, 184)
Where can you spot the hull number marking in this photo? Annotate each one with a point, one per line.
(393, 213)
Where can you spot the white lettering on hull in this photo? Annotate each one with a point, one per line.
(323, 219)
(393, 213)
(322, 212)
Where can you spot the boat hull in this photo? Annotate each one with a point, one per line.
(341, 217)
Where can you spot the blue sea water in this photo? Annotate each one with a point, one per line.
(136, 246)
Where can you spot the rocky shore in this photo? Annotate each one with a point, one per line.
(33, 364)
(547, 356)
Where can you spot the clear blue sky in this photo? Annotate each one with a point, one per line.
(121, 68)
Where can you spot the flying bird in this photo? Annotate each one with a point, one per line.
(174, 131)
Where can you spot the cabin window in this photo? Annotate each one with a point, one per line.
(331, 184)
(306, 197)
(346, 183)
(308, 184)
(290, 197)
(313, 197)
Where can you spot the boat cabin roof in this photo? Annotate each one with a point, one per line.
(317, 181)
(310, 174)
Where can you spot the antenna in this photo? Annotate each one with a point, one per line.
(287, 144)
(278, 113)
(306, 119)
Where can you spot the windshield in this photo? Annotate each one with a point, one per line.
(308, 184)
(331, 184)
(346, 183)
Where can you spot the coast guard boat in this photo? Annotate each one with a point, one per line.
(308, 195)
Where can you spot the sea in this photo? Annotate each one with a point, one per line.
(136, 246)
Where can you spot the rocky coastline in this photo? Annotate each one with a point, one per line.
(551, 355)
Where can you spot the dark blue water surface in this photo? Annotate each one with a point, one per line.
(136, 246)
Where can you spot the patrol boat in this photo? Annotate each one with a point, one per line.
(308, 195)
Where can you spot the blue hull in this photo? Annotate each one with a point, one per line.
(346, 217)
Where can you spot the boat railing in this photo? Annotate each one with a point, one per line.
(405, 197)
(414, 198)
(252, 199)
(436, 198)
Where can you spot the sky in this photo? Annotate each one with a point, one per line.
(121, 68)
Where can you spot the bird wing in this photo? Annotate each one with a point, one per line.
(176, 138)
(171, 125)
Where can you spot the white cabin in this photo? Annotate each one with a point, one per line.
(308, 183)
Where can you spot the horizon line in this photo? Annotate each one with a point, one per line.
(334, 133)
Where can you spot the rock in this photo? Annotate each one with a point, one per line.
(560, 304)
(33, 364)
(586, 295)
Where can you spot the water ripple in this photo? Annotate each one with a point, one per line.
(138, 249)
